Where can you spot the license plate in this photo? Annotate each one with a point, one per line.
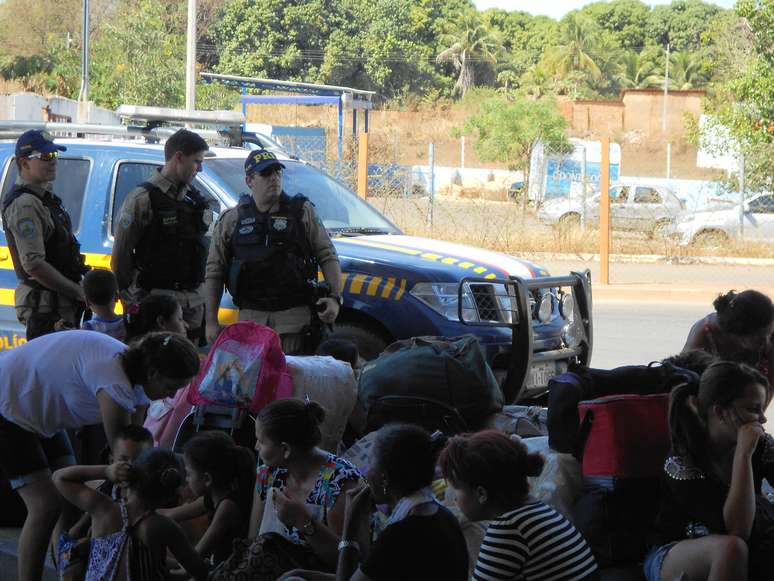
(540, 373)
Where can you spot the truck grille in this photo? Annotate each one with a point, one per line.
(486, 302)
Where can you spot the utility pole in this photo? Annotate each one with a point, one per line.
(190, 61)
(666, 92)
(83, 94)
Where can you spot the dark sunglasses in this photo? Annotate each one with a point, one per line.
(270, 171)
(44, 156)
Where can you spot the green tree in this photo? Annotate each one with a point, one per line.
(639, 70)
(682, 24)
(139, 57)
(507, 131)
(577, 47)
(524, 39)
(469, 46)
(687, 71)
(626, 20)
(743, 98)
(538, 81)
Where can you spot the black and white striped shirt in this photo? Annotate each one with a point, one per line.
(533, 543)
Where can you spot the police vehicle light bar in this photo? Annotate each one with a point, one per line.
(156, 115)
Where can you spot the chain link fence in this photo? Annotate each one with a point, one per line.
(553, 217)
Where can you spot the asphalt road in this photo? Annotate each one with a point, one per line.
(636, 333)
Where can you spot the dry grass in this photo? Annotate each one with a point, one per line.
(500, 226)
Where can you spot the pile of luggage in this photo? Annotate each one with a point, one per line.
(604, 433)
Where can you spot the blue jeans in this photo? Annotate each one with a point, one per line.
(655, 560)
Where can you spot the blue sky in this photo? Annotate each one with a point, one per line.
(558, 8)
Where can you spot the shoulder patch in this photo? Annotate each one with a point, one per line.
(677, 468)
(26, 228)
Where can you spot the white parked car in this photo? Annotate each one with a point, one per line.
(638, 207)
(718, 226)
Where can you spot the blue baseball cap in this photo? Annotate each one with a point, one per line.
(36, 141)
(259, 160)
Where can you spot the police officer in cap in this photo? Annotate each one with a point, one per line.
(45, 253)
(266, 251)
(161, 240)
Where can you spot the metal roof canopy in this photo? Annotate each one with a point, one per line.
(313, 94)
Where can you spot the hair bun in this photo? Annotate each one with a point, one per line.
(724, 301)
(314, 411)
(171, 478)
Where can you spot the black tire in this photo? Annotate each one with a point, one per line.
(711, 239)
(369, 343)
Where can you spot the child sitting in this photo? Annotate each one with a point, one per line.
(221, 474)
(155, 313)
(101, 291)
(526, 539)
(129, 443)
(130, 539)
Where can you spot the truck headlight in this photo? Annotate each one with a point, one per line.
(442, 298)
(544, 308)
(567, 306)
(480, 301)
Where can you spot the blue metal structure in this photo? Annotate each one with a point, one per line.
(308, 94)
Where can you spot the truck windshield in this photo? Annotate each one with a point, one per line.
(341, 211)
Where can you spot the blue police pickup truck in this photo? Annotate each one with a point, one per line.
(394, 286)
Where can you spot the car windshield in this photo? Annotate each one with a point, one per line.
(341, 211)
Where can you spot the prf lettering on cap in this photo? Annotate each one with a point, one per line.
(265, 155)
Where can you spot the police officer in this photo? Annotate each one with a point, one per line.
(266, 252)
(45, 253)
(160, 243)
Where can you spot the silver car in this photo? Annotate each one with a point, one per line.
(638, 207)
(720, 225)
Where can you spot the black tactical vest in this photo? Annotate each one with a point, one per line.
(272, 266)
(173, 251)
(63, 251)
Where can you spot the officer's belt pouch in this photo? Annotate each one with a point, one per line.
(245, 368)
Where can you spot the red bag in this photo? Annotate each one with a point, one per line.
(627, 436)
(245, 368)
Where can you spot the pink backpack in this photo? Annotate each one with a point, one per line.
(245, 368)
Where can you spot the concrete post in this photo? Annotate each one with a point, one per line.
(604, 212)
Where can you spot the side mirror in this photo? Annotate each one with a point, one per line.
(746, 207)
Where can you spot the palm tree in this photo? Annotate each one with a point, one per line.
(469, 46)
(639, 72)
(685, 71)
(539, 80)
(577, 49)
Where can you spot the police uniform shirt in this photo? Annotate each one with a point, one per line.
(135, 217)
(219, 258)
(31, 224)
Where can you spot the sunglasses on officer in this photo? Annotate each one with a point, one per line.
(270, 171)
(44, 156)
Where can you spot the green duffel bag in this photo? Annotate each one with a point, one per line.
(433, 381)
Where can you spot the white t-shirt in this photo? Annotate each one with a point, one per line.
(52, 382)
